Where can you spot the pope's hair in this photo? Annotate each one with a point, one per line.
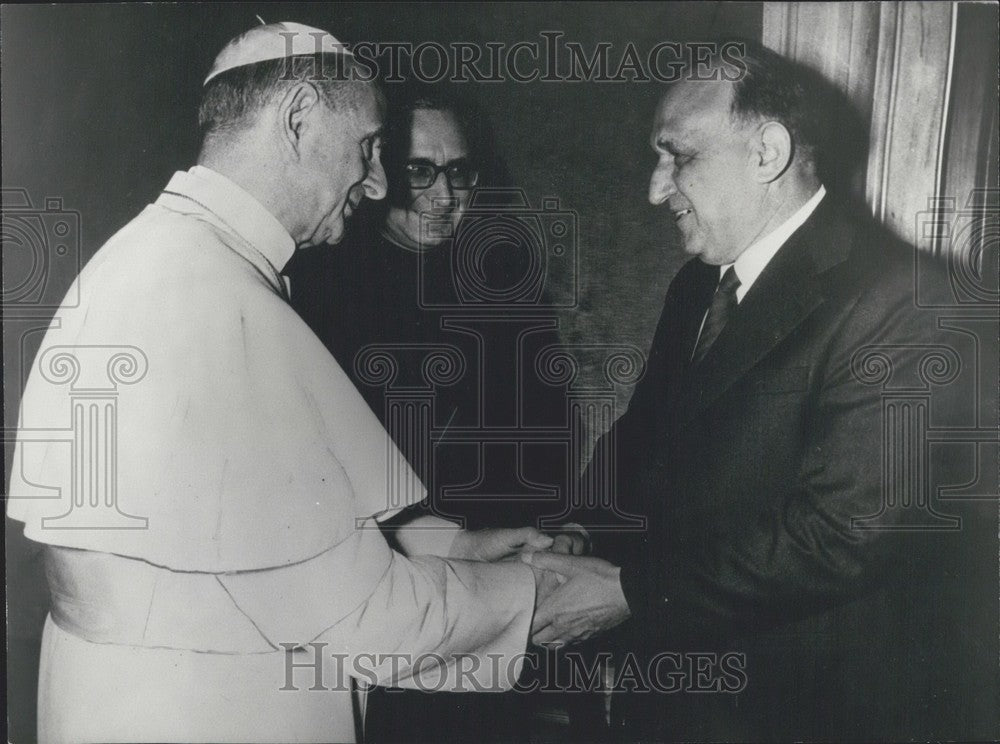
(231, 100)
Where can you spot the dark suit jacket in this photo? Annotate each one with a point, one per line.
(751, 466)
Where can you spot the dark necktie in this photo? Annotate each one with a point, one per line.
(719, 312)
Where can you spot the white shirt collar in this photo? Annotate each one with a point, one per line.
(752, 262)
(238, 210)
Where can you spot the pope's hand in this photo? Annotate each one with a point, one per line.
(590, 601)
(497, 544)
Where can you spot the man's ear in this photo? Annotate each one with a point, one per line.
(293, 114)
(772, 151)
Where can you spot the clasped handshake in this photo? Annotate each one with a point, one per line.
(576, 595)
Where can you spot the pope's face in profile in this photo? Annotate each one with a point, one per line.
(704, 171)
(341, 163)
(438, 177)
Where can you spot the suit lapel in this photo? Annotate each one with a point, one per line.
(784, 295)
(682, 316)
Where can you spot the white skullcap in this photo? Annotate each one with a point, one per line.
(274, 41)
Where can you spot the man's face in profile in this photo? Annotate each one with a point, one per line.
(703, 173)
(341, 163)
(439, 177)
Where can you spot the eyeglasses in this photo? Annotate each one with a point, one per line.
(422, 175)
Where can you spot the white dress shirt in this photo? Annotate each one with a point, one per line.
(752, 262)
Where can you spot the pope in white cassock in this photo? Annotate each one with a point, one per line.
(211, 525)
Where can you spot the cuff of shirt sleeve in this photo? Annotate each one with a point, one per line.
(636, 588)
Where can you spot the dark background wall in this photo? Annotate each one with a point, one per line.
(99, 109)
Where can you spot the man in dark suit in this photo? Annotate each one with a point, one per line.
(787, 515)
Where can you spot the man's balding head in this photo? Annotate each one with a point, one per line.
(736, 157)
(773, 88)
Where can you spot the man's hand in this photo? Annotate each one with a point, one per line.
(497, 544)
(570, 539)
(589, 602)
(546, 582)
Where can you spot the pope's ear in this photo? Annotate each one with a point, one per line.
(772, 151)
(294, 110)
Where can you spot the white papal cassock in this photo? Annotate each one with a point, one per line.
(210, 480)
